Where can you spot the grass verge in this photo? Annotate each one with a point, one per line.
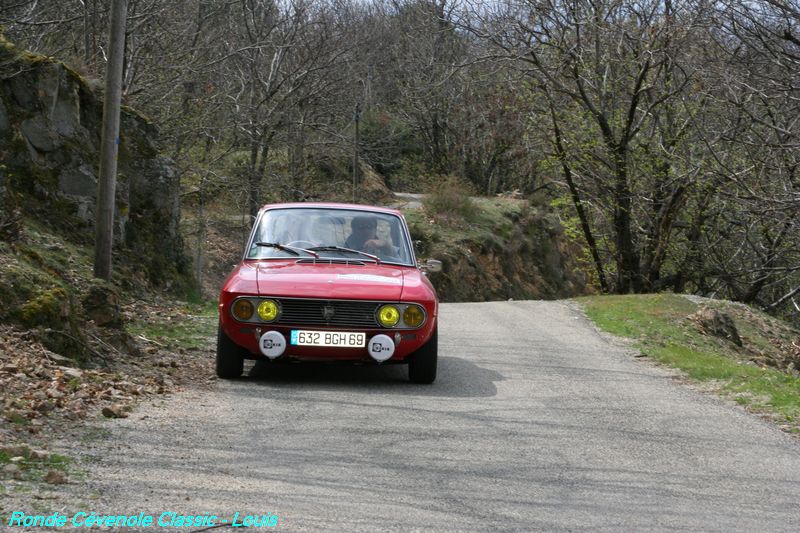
(188, 328)
(664, 330)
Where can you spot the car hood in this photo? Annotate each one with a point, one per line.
(334, 281)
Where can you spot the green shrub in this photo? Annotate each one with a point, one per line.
(449, 197)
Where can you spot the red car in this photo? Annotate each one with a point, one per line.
(329, 282)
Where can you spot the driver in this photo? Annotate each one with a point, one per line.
(364, 237)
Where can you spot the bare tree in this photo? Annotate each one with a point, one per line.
(276, 56)
(612, 70)
(756, 256)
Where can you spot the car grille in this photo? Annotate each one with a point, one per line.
(312, 313)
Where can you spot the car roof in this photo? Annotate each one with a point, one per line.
(333, 205)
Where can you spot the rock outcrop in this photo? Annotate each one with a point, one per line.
(50, 124)
(522, 255)
(717, 323)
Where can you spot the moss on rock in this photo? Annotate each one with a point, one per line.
(19, 283)
(50, 308)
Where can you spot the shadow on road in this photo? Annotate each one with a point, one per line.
(457, 378)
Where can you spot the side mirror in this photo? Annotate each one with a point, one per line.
(431, 265)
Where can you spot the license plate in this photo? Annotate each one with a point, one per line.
(345, 339)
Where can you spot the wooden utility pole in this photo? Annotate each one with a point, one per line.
(109, 143)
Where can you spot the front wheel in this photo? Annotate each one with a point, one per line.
(423, 362)
(230, 362)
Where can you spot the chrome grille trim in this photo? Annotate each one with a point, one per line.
(309, 312)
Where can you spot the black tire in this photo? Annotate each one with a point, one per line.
(423, 362)
(230, 360)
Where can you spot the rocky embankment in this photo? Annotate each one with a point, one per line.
(510, 250)
(50, 123)
(66, 350)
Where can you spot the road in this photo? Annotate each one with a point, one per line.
(537, 422)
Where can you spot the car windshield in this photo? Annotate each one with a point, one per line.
(331, 234)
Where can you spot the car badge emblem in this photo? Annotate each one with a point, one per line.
(327, 312)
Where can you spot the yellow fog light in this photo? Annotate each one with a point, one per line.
(388, 316)
(242, 309)
(413, 316)
(268, 310)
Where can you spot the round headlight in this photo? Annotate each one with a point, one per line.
(413, 316)
(242, 309)
(388, 316)
(268, 310)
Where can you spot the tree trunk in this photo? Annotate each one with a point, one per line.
(296, 140)
(693, 262)
(87, 35)
(628, 272)
(356, 142)
(656, 249)
(259, 152)
(253, 182)
(576, 201)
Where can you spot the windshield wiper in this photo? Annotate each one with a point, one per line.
(291, 249)
(342, 249)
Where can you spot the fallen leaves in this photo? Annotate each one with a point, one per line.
(40, 389)
(35, 387)
(43, 393)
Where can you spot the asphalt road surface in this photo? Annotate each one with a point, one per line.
(536, 422)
